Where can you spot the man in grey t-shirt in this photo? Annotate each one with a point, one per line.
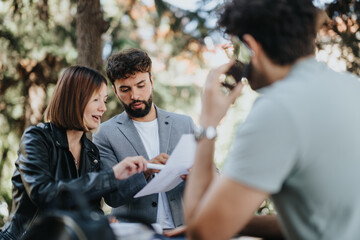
(298, 145)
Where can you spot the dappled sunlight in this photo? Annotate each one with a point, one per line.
(39, 39)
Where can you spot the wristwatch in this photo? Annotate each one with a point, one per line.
(208, 132)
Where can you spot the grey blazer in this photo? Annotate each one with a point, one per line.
(118, 139)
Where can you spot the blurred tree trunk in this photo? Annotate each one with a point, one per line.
(90, 25)
(33, 75)
(37, 75)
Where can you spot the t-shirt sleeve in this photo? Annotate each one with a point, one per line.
(265, 147)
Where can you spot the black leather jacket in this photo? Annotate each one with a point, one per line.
(44, 165)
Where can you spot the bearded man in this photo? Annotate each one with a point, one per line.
(142, 129)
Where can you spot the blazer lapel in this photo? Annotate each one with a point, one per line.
(127, 128)
(165, 124)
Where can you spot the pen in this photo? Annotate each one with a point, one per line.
(155, 166)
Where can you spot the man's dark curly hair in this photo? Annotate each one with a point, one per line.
(126, 63)
(286, 29)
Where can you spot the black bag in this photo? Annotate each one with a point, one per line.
(70, 220)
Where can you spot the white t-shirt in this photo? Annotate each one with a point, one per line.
(149, 135)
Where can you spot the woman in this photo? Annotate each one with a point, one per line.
(57, 153)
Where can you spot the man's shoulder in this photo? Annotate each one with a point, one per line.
(173, 115)
(113, 121)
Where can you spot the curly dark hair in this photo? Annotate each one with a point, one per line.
(286, 29)
(126, 63)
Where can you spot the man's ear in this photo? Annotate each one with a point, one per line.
(253, 44)
(114, 89)
(152, 80)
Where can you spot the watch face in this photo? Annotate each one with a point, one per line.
(200, 132)
(210, 132)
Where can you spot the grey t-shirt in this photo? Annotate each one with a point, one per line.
(301, 144)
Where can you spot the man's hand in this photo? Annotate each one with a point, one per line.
(160, 159)
(215, 102)
(129, 166)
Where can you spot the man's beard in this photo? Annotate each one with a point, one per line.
(138, 113)
(256, 78)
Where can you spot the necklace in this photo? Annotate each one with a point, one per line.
(76, 159)
(77, 163)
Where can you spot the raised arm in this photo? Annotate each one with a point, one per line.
(216, 207)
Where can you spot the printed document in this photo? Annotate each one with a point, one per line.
(181, 159)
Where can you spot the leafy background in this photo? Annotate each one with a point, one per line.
(38, 38)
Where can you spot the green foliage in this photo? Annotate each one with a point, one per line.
(38, 39)
(35, 43)
(160, 30)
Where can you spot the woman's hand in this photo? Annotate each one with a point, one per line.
(129, 166)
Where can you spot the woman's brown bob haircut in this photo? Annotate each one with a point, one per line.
(73, 91)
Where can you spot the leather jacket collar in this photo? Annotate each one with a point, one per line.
(60, 137)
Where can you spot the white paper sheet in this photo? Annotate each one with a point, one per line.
(131, 231)
(181, 159)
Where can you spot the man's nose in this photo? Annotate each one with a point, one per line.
(134, 95)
